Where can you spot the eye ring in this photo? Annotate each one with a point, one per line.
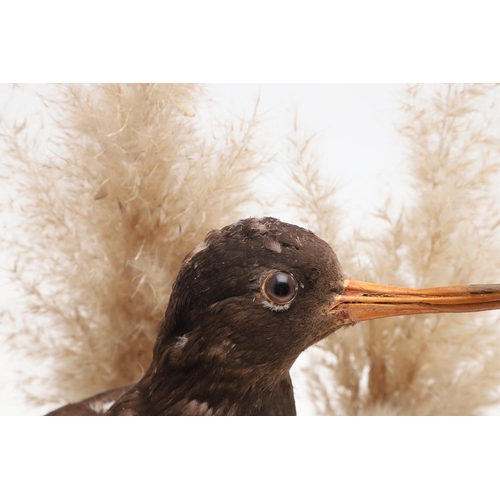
(280, 287)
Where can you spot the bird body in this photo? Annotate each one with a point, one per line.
(246, 302)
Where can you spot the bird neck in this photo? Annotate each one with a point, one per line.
(190, 375)
(210, 397)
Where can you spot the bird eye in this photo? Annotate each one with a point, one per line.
(280, 287)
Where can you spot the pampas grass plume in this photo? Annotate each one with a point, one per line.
(128, 185)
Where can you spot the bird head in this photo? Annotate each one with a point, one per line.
(259, 292)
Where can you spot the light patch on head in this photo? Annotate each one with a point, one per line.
(258, 225)
(276, 307)
(272, 244)
(181, 342)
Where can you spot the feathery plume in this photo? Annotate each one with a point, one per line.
(435, 365)
(129, 183)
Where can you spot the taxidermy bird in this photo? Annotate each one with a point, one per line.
(246, 302)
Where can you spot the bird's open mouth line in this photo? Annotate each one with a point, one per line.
(363, 301)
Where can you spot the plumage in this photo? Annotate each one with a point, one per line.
(246, 302)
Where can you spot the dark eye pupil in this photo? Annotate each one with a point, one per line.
(280, 287)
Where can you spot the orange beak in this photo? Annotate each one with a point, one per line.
(362, 301)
